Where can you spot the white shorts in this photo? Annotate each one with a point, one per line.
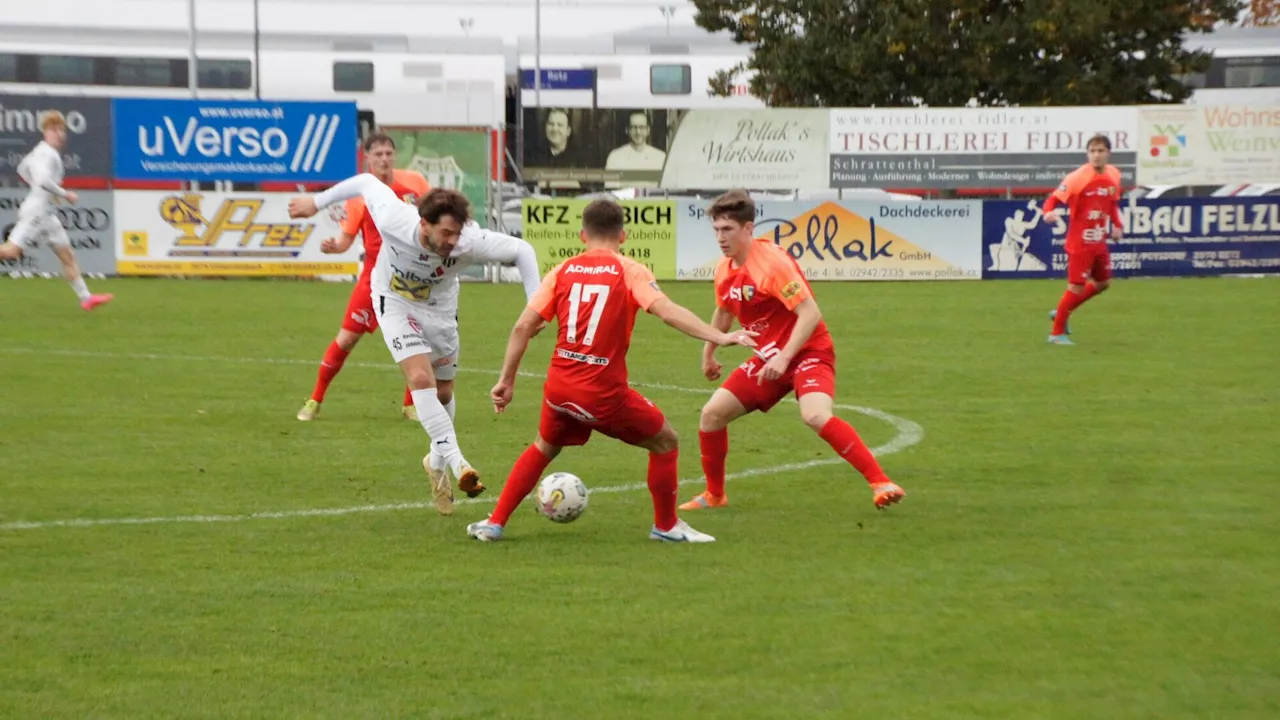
(411, 330)
(28, 232)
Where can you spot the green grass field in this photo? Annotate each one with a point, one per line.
(1089, 532)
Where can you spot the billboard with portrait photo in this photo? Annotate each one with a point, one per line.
(587, 149)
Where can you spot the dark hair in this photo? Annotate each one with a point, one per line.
(602, 219)
(378, 138)
(1099, 138)
(736, 205)
(442, 201)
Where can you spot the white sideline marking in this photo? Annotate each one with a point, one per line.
(908, 433)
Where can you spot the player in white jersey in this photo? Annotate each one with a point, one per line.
(42, 170)
(415, 297)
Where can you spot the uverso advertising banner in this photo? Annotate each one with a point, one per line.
(249, 141)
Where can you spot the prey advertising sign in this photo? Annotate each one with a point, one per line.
(223, 234)
(245, 141)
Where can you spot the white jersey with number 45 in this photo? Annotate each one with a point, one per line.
(407, 270)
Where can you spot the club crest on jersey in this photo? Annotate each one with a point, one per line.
(439, 271)
(744, 293)
(791, 289)
(410, 198)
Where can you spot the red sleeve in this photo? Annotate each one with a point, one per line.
(1116, 217)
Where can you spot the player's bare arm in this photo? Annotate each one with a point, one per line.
(807, 318)
(517, 344)
(684, 320)
(337, 245)
(302, 206)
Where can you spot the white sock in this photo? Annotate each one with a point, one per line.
(82, 290)
(437, 460)
(439, 426)
(451, 407)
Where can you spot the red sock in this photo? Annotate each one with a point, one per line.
(334, 357)
(1068, 304)
(408, 397)
(842, 438)
(715, 447)
(663, 484)
(523, 478)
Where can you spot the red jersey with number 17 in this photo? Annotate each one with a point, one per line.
(595, 297)
(763, 294)
(1092, 199)
(409, 186)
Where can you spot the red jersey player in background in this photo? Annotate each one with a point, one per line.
(1092, 195)
(380, 158)
(758, 283)
(595, 297)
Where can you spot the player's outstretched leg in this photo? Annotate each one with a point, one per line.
(713, 444)
(522, 480)
(816, 411)
(335, 356)
(664, 481)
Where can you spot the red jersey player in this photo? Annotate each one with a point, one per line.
(595, 297)
(380, 157)
(762, 286)
(1092, 195)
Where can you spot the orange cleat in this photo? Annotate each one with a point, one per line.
(888, 494)
(706, 501)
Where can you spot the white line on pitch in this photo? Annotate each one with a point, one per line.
(908, 433)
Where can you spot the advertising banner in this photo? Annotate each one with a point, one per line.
(848, 240)
(1209, 145)
(88, 151)
(552, 228)
(581, 148)
(90, 226)
(223, 234)
(1188, 236)
(676, 149)
(454, 158)
(239, 140)
(941, 148)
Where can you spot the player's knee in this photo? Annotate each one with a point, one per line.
(10, 251)
(665, 441)
(1102, 285)
(421, 380)
(815, 419)
(713, 418)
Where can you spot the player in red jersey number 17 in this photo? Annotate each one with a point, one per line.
(1092, 195)
(762, 286)
(595, 297)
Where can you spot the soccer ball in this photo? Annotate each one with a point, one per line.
(562, 497)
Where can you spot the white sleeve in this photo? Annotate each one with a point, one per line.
(392, 216)
(42, 175)
(495, 247)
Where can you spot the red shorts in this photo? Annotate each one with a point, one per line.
(568, 421)
(811, 371)
(1093, 261)
(360, 318)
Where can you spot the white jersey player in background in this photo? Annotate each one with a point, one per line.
(415, 297)
(42, 170)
